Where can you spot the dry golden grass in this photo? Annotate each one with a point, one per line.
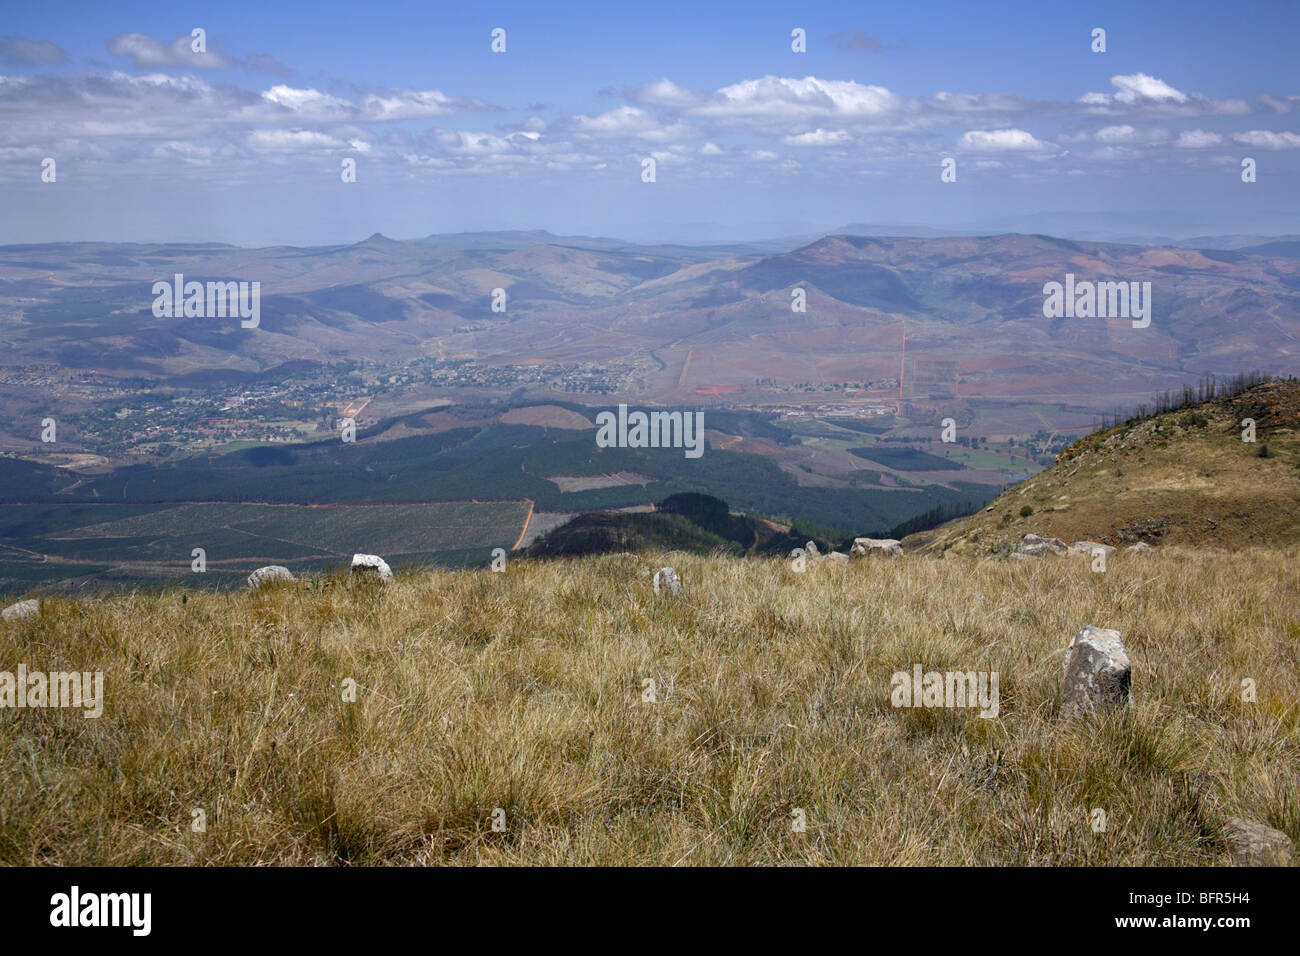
(523, 691)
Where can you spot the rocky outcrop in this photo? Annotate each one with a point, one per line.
(876, 547)
(21, 610)
(1253, 844)
(269, 574)
(667, 581)
(1097, 673)
(1034, 546)
(371, 566)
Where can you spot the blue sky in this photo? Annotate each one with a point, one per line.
(244, 142)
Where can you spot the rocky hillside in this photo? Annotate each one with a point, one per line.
(1182, 477)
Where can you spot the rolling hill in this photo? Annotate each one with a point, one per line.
(1182, 477)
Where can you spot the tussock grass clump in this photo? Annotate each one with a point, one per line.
(525, 692)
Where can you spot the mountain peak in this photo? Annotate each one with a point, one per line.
(378, 239)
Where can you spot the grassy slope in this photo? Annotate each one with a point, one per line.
(1165, 480)
(523, 691)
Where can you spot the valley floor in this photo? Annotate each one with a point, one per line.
(561, 713)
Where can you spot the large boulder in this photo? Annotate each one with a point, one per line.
(1253, 844)
(1034, 546)
(371, 566)
(883, 547)
(1097, 673)
(268, 574)
(810, 549)
(21, 610)
(666, 580)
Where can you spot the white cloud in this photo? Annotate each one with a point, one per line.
(663, 93)
(284, 140)
(1267, 139)
(785, 98)
(1280, 104)
(1136, 87)
(631, 121)
(417, 104)
(310, 102)
(1197, 139)
(147, 53)
(817, 137)
(1116, 134)
(1138, 92)
(1000, 139)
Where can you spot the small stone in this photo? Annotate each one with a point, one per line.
(21, 610)
(371, 565)
(272, 572)
(666, 579)
(1139, 547)
(1097, 673)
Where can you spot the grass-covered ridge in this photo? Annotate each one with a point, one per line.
(523, 691)
(1183, 476)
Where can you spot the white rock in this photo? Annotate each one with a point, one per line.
(1140, 547)
(272, 572)
(1097, 672)
(666, 579)
(373, 565)
(835, 556)
(810, 549)
(885, 547)
(21, 610)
